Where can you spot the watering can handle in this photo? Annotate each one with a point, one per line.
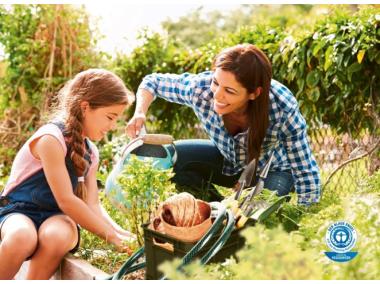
(157, 139)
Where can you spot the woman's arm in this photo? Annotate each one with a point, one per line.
(144, 99)
(172, 87)
(181, 89)
(303, 165)
(50, 152)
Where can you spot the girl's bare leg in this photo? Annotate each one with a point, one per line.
(56, 237)
(18, 242)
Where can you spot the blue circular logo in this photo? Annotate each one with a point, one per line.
(341, 237)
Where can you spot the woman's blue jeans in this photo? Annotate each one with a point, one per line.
(199, 165)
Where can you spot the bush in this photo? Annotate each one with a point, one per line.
(266, 255)
(334, 70)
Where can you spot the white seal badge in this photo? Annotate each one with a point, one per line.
(341, 237)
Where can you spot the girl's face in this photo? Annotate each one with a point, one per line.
(229, 95)
(97, 122)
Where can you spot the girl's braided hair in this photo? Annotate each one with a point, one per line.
(100, 88)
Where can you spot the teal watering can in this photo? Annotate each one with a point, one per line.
(147, 146)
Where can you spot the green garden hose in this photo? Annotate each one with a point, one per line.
(224, 236)
(126, 268)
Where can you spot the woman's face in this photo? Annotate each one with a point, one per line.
(229, 95)
(97, 122)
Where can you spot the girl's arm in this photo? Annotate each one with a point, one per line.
(50, 152)
(95, 205)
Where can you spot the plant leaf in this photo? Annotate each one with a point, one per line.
(360, 56)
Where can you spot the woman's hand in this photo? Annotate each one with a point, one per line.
(135, 124)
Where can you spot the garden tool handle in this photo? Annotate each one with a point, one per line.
(241, 222)
(158, 139)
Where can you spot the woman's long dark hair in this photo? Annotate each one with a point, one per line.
(252, 69)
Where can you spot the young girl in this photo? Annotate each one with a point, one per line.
(246, 115)
(52, 186)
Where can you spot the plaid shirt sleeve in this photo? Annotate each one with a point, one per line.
(303, 165)
(174, 88)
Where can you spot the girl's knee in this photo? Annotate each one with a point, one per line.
(60, 236)
(21, 241)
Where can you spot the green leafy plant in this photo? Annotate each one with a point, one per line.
(144, 188)
(3, 177)
(361, 209)
(265, 256)
(99, 253)
(109, 152)
(333, 69)
(45, 45)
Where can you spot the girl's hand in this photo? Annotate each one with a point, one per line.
(127, 234)
(121, 242)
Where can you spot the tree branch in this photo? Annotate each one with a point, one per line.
(377, 144)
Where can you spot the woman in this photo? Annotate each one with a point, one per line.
(246, 115)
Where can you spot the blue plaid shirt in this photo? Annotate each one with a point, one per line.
(286, 134)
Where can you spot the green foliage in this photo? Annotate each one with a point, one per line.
(373, 183)
(109, 152)
(31, 34)
(144, 188)
(198, 27)
(333, 70)
(8, 154)
(99, 253)
(151, 56)
(3, 177)
(361, 209)
(266, 255)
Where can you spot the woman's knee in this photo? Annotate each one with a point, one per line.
(282, 182)
(58, 234)
(192, 153)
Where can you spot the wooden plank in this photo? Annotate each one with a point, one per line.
(21, 274)
(79, 269)
(71, 268)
